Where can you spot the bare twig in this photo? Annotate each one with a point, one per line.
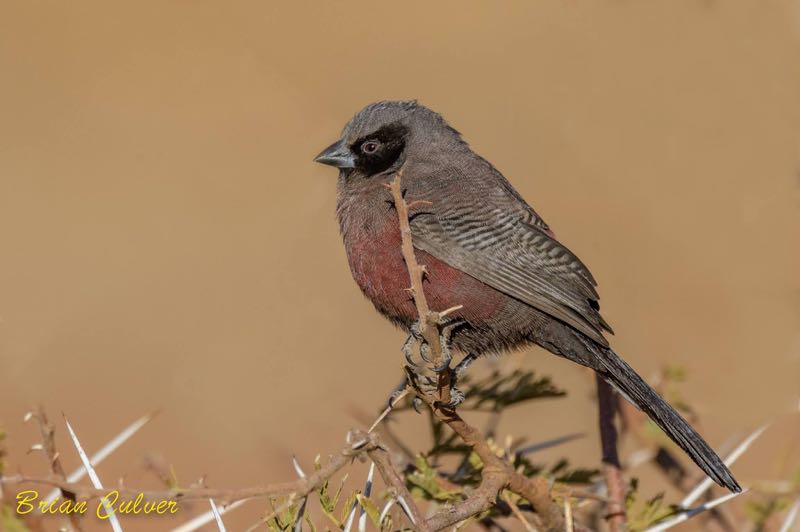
(518, 514)
(49, 445)
(386, 434)
(615, 484)
(568, 514)
(393, 401)
(106, 450)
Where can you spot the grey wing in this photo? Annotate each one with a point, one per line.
(507, 250)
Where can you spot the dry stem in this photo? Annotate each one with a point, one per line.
(497, 474)
(362, 444)
(615, 484)
(428, 320)
(54, 458)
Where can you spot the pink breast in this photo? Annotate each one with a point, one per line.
(378, 267)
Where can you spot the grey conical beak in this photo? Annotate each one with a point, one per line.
(337, 154)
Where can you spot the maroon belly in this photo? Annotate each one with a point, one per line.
(378, 267)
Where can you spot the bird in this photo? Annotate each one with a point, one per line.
(483, 247)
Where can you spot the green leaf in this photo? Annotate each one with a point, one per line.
(311, 524)
(339, 491)
(372, 511)
(327, 505)
(333, 518)
(423, 482)
(289, 516)
(579, 475)
(327, 501)
(273, 525)
(500, 391)
(643, 516)
(759, 511)
(632, 493)
(529, 469)
(348, 505)
(560, 466)
(324, 498)
(675, 373)
(475, 461)
(561, 472)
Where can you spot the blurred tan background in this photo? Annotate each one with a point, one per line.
(167, 242)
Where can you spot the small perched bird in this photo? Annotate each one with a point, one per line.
(483, 247)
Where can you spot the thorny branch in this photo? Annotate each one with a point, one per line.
(429, 320)
(362, 444)
(497, 474)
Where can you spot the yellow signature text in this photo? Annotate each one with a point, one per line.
(109, 504)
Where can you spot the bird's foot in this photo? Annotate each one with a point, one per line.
(457, 396)
(429, 384)
(462, 366)
(398, 393)
(445, 336)
(408, 345)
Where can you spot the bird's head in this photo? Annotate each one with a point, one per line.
(380, 137)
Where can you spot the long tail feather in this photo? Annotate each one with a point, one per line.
(617, 372)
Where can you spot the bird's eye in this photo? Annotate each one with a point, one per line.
(370, 146)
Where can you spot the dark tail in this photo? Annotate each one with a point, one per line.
(618, 373)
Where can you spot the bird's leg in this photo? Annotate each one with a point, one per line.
(408, 350)
(414, 377)
(462, 366)
(445, 335)
(417, 404)
(398, 391)
(425, 352)
(457, 396)
(408, 345)
(420, 382)
(428, 384)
